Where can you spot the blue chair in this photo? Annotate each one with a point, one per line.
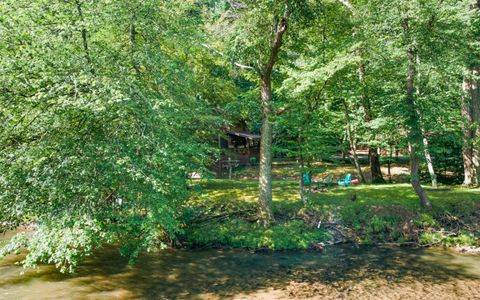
(345, 181)
(307, 179)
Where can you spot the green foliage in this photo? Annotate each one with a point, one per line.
(66, 246)
(426, 220)
(96, 135)
(441, 239)
(14, 245)
(107, 106)
(242, 234)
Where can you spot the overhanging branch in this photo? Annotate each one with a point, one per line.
(239, 65)
(348, 5)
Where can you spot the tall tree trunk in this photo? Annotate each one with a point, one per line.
(373, 156)
(301, 162)
(265, 175)
(470, 112)
(428, 157)
(468, 135)
(133, 35)
(390, 159)
(375, 167)
(351, 139)
(84, 36)
(475, 96)
(415, 138)
(468, 169)
(302, 181)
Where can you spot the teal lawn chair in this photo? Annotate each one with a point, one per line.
(307, 179)
(347, 181)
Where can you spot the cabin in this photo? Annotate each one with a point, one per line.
(238, 148)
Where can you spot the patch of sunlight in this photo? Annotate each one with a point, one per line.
(288, 192)
(383, 186)
(467, 190)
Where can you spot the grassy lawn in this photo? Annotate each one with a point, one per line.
(223, 213)
(289, 170)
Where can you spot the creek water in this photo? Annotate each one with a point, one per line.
(337, 272)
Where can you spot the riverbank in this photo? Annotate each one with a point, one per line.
(224, 214)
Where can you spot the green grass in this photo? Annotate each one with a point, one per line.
(381, 213)
(282, 170)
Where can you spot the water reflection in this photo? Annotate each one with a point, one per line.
(215, 274)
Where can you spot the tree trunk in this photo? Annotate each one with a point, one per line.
(265, 175)
(302, 168)
(431, 170)
(415, 139)
(84, 36)
(375, 167)
(415, 178)
(373, 156)
(309, 191)
(133, 34)
(475, 97)
(351, 139)
(426, 151)
(302, 189)
(470, 113)
(475, 94)
(390, 159)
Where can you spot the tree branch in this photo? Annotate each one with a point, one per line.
(281, 111)
(348, 5)
(239, 65)
(281, 29)
(84, 36)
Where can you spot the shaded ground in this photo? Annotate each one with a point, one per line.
(337, 272)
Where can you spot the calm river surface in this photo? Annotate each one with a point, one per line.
(343, 272)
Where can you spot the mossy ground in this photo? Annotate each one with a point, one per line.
(223, 213)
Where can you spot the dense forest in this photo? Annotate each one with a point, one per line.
(108, 107)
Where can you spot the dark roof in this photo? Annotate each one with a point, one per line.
(246, 135)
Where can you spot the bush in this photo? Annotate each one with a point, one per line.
(440, 238)
(241, 234)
